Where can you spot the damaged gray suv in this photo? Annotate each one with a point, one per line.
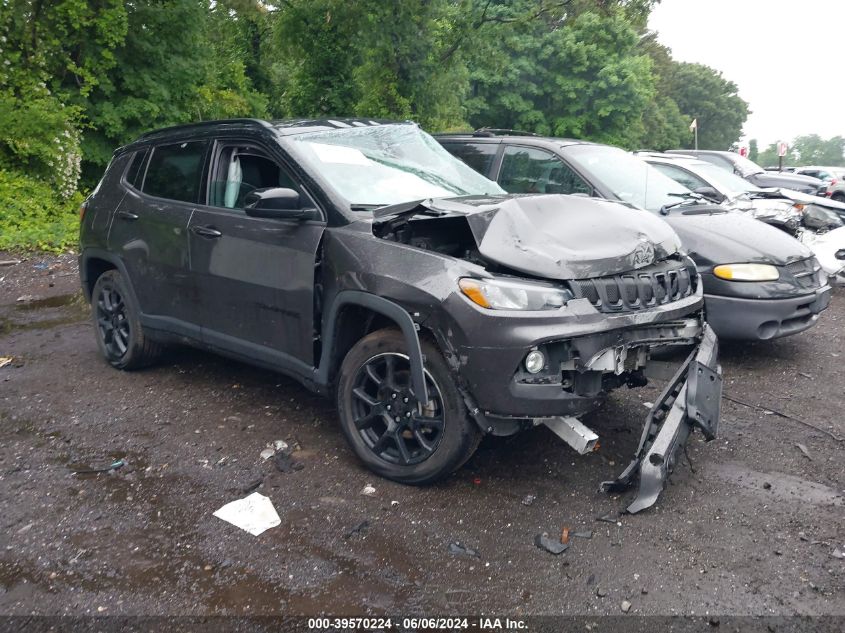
(362, 259)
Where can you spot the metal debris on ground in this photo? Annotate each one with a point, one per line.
(804, 450)
(527, 500)
(610, 517)
(368, 490)
(785, 416)
(358, 529)
(252, 485)
(553, 546)
(254, 514)
(93, 471)
(459, 549)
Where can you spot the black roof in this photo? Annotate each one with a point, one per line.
(509, 136)
(282, 126)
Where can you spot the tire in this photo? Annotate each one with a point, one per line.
(418, 449)
(117, 324)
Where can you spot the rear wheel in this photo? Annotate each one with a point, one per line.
(117, 324)
(389, 429)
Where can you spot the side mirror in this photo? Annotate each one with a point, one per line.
(709, 193)
(278, 203)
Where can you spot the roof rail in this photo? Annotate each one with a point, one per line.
(493, 131)
(199, 124)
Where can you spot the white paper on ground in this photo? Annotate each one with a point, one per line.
(254, 513)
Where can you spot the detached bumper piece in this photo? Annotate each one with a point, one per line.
(691, 399)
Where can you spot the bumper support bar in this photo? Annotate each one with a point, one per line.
(690, 399)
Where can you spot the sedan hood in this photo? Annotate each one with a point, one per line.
(731, 238)
(787, 181)
(553, 236)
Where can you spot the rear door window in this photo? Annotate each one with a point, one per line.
(175, 171)
(479, 156)
(532, 170)
(135, 172)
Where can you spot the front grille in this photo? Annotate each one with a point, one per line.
(654, 285)
(806, 272)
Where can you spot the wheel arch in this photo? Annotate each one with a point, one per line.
(93, 263)
(353, 315)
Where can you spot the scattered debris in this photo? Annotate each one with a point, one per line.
(93, 471)
(584, 534)
(26, 528)
(564, 536)
(461, 550)
(252, 485)
(285, 463)
(527, 500)
(648, 405)
(5, 360)
(394, 503)
(278, 446)
(767, 485)
(601, 593)
(369, 490)
(26, 298)
(254, 514)
(361, 527)
(10, 262)
(610, 517)
(550, 545)
(837, 553)
(785, 416)
(477, 481)
(803, 537)
(804, 450)
(801, 373)
(625, 606)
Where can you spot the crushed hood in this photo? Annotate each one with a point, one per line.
(554, 236)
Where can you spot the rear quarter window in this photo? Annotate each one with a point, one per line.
(175, 171)
(479, 156)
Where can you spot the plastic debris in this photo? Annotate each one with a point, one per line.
(564, 536)
(462, 550)
(368, 491)
(527, 500)
(93, 471)
(5, 360)
(550, 545)
(254, 514)
(804, 450)
(358, 529)
(277, 446)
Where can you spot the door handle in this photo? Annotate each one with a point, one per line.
(206, 231)
(126, 215)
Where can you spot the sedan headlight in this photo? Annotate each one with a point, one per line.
(500, 294)
(746, 272)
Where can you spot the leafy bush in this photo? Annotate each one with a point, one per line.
(33, 216)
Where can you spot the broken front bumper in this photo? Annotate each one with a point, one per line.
(691, 399)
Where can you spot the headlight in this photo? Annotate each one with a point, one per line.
(746, 272)
(500, 294)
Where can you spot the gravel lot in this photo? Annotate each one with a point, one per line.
(756, 528)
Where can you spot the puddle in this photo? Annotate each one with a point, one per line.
(72, 308)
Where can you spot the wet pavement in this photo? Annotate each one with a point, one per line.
(750, 523)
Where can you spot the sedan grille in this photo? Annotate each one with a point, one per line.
(806, 272)
(644, 288)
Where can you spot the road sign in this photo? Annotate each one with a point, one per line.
(781, 149)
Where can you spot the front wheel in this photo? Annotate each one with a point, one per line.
(388, 428)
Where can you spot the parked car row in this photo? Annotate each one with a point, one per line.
(833, 177)
(437, 300)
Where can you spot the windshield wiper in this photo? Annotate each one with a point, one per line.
(687, 196)
(366, 207)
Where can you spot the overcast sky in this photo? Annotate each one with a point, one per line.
(786, 57)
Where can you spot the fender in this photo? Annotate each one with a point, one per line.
(96, 253)
(388, 309)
